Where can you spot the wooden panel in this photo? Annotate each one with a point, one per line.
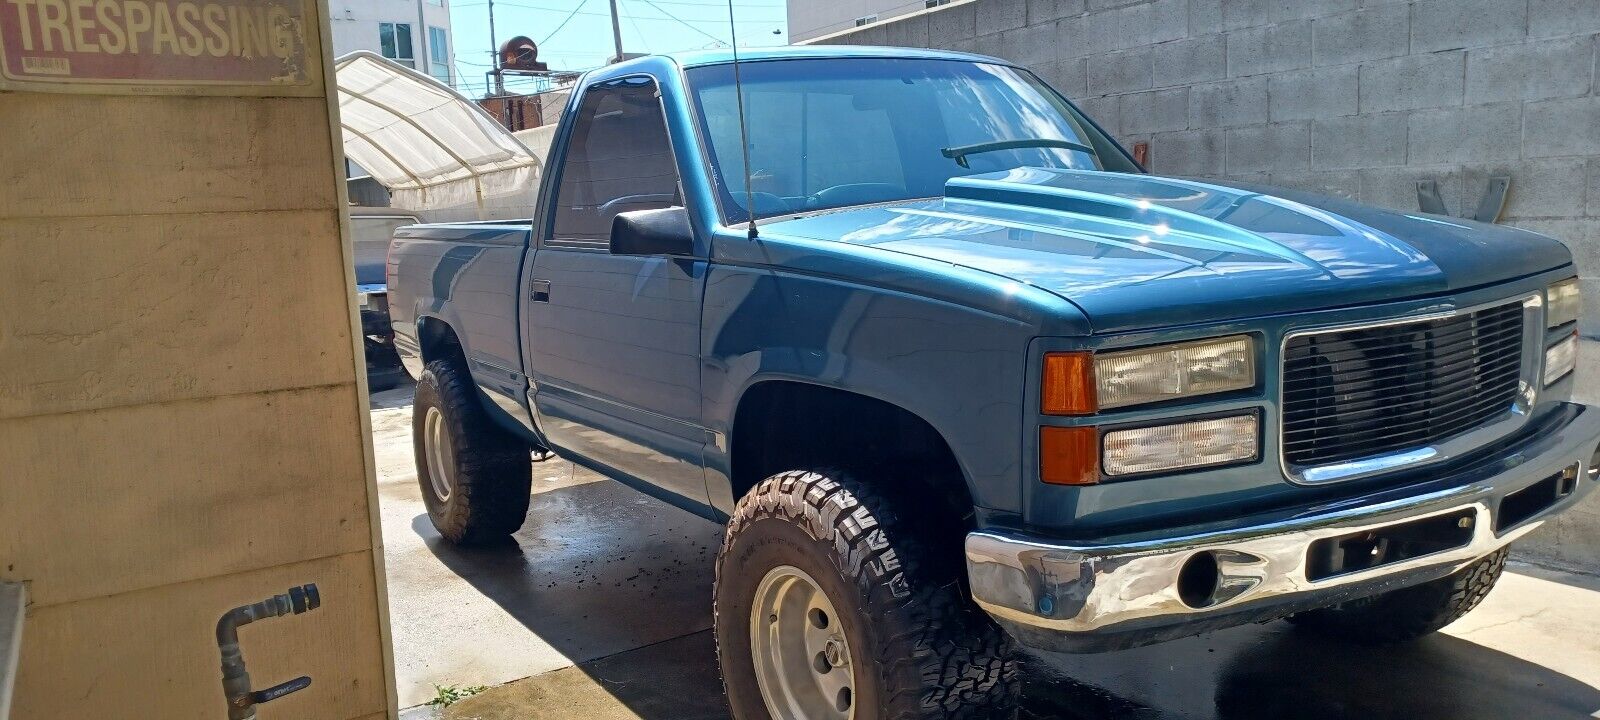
(94, 155)
(153, 653)
(103, 312)
(130, 498)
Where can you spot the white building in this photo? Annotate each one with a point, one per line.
(415, 33)
(810, 19)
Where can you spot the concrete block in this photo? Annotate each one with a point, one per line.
(1368, 34)
(1410, 83)
(1359, 141)
(1120, 72)
(1155, 111)
(1086, 35)
(1454, 24)
(1539, 188)
(991, 45)
(1306, 10)
(1032, 46)
(996, 15)
(1105, 111)
(1153, 22)
(1552, 18)
(1191, 60)
(952, 24)
(1396, 188)
(1188, 152)
(1042, 12)
(1284, 147)
(1105, 4)
(1581, 235)
(1335, 183)
(1465, 134)
(1066, 76)
(1561, 128)
(1270, 49)
(1312, 94)
(1592, 195)
(1238, 14)
(909, 32)
(1231, 102)
(1205, 17)
(1536, 70)
(875, 34)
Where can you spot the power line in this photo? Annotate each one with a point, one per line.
(564, 21)
(681, 21)
(541, 8)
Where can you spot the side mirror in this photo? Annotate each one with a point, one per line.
(652, 232)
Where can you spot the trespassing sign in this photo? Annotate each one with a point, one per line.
(259, 46)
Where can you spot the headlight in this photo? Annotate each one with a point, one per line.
(1168, 372)
(1563, 303)
(1560, 359)
(1197, 443)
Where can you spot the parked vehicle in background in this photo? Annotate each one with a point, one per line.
(956, 373)
(370, 231)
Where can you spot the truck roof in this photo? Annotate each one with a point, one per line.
(695, 58)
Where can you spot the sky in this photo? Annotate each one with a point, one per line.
(576, 34)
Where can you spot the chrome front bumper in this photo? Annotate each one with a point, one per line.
(1096, 597)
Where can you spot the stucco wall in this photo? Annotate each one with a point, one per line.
(1357, 98)
(182, 415)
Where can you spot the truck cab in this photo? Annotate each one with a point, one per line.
(956, 373)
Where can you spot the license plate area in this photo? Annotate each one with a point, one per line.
(1345, 554)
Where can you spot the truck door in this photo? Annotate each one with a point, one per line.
(613, 341)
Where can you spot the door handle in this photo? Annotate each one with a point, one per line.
(539, 291)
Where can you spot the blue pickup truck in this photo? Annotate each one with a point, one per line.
(956, 373)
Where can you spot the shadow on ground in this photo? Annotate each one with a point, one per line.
(621, 584)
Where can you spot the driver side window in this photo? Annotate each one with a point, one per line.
(618, 160)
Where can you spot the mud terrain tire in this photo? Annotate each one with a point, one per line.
(1408, 613)
(920, 649)
(488, 472)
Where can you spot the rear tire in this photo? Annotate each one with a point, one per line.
(914, 647)
(475, 477)
(1408, 613)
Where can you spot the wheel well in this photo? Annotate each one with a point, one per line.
(783, 425)
(439, 342)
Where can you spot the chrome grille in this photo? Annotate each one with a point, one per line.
(1357, 393)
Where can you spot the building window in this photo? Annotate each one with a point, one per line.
(440, 3)
(438, 54)
(394, 40)
(934, 3)
(866, 20)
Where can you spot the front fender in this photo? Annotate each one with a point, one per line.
(957, 368)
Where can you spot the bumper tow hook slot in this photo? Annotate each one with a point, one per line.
(242, 701)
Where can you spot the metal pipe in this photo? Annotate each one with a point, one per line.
(235, 679)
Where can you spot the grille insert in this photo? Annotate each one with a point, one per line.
(1352, 394)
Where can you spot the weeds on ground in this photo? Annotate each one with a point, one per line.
(447, 695)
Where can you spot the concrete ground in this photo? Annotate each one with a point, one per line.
(600, 608)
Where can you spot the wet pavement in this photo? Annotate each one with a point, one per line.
(602, 603)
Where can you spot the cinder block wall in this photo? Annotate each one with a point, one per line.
(1356, 98)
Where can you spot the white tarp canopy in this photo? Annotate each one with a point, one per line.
(431, 147)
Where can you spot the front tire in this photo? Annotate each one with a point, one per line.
(1408, 613)
(476, 478)
(818, 559)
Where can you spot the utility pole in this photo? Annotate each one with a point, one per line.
(499, 77)
(616, 30)
(422, 45)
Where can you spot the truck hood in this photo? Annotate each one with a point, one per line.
(1140, 251)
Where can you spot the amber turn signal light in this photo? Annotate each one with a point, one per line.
(1068, 385)
(1069, 455)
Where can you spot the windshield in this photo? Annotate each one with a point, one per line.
(828, 133)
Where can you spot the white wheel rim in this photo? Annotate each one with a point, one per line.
(441, 457)
(797, 643)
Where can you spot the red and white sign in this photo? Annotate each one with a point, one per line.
(156, 45)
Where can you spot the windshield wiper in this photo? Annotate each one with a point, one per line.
(959, 154)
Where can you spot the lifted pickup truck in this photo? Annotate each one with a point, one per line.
(956, 373)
